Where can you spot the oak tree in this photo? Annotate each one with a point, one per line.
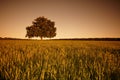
(41, 27)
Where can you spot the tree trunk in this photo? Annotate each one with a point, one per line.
(41, 37)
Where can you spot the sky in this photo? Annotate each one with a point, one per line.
(73, 18)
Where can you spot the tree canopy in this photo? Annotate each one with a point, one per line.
(41, 27)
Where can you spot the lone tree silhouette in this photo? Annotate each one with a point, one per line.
(41, 27)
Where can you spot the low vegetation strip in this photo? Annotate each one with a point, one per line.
(59, 60)
(81, 39)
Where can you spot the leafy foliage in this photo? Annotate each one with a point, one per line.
(41, 27)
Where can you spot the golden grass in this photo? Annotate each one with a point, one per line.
(59, 60)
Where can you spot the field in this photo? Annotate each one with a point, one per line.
(59, 60)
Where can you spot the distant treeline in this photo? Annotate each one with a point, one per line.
(7, 38)
(82, 39)
(92, 39)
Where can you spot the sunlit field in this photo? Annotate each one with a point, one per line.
(59, 60)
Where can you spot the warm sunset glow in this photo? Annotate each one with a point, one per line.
(73, 18)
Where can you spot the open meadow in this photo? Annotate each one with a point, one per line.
(59, 60)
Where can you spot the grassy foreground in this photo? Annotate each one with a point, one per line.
(59, 60)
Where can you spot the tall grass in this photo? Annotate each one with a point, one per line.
(59, 60)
